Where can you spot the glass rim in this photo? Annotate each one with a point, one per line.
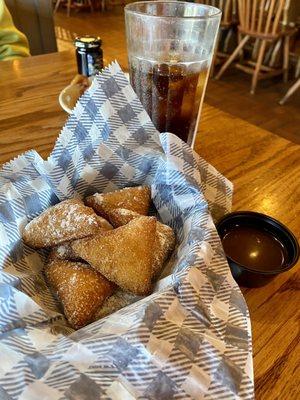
(217, 13)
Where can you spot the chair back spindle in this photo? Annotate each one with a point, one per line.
(226, 6)
(261, 17)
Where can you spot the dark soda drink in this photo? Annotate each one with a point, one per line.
(171, 93)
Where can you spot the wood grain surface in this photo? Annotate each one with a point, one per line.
(264, 168)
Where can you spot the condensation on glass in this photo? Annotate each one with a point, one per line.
(170, 47)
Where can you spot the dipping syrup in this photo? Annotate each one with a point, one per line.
(254, 248)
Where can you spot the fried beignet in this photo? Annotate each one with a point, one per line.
(64, 251)
(65, 221)
(123, 255)
(80, 288)
(164, 241)
(132, 198)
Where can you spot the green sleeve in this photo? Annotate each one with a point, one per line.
(13, 43)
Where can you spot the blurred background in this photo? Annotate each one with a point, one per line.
(252, 71)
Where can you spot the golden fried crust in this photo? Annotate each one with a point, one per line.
(81, 289)
(63, 251)
(121, 216)
(123, 255)
(104, 224)
(132, 198)
(68, 220)
(164, 241)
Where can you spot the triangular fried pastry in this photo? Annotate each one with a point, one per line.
(64, 251)
(132, 198)
(164, 241)
(80, 288)
(123, 255)
(67, 220)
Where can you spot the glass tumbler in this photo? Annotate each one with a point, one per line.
(170, 47)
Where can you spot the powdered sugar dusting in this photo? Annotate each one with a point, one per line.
(62, 250)
(123, 255)
(72, 217)
(67, 220)
(81, 289)
(125, 212)
(132, 198)
(98, 198)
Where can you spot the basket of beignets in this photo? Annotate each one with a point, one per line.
(103, 245)
(113, 281)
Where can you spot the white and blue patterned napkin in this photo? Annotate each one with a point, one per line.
(191, 339)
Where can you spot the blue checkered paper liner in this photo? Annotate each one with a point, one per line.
(190, 339)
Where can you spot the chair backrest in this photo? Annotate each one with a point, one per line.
(35, 19)
(261, 17)
(228, 8)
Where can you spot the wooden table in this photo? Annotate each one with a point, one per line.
(264, 168)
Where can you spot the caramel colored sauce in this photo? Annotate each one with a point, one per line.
(254, 248)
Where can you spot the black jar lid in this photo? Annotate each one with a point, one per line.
(257, 246)
(87, 42)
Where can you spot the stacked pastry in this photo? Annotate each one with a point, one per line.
(107, 246)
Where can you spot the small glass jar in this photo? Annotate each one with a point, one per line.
(89, 55)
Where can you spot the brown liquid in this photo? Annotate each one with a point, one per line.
(254, 248)
(170, 93)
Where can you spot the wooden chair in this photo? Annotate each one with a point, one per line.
(260, 20)
(69, 6)
(228, 20)
(35, 19)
